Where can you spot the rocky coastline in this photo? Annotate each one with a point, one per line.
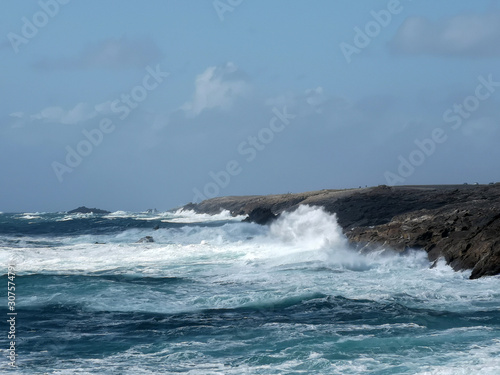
(460, 223)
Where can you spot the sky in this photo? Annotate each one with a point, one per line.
(131, 105)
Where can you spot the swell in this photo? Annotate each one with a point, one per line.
(315, 309)
(349, 327)
(30, 280)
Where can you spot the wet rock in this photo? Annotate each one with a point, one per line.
(466, 235)
(261, 215)
(146, 239)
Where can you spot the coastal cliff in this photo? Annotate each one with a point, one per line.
(460, 223)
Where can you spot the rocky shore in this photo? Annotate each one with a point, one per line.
(460, 223)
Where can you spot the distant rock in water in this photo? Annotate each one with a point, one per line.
(261, 216)
(146, 239)
(85, 210)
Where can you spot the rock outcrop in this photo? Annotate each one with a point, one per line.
(466, 234)
(261, 215)
(147, 239)
(85, 210)
(460, 223)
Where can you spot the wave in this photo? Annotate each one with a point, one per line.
(309, 227)
(308, 238)
(29, 216)
(307, 308)
(190, 216)
(478, 358)
(76, 216)
(178, 216)
(13, 242)
(308, 234)
(289, 338)
(120, 276)
(303, 250)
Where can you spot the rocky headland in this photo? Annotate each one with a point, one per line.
(460, 223)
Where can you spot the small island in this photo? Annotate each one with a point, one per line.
(85, 210)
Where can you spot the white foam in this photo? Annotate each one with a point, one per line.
(179, 216)
(482, 358)
(77, 215)
(308, 234)
(29, 216)
(147, 216)
(120, 215)
(309, 228)
(190, 216)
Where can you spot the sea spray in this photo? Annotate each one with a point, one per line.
(311, 234)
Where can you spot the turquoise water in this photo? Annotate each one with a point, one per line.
(213, 295)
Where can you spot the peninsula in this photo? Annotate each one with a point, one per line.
(460, 223)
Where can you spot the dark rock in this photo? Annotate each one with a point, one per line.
(156, 227)
(146, 239)
(261, 216)
(466, 235)
(85, 210)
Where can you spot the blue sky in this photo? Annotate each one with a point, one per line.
(133, 105)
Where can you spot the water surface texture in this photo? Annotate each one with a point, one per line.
(213, 295)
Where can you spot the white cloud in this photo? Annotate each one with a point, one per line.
(109, 54)
(79, 113)
(476, 35)
(217, 87)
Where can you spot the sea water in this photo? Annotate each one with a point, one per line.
(214, 295)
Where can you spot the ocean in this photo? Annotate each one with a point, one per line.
(214, 295)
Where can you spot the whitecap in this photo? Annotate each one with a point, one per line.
(190, 216)
(119, 215)
(29, 215)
